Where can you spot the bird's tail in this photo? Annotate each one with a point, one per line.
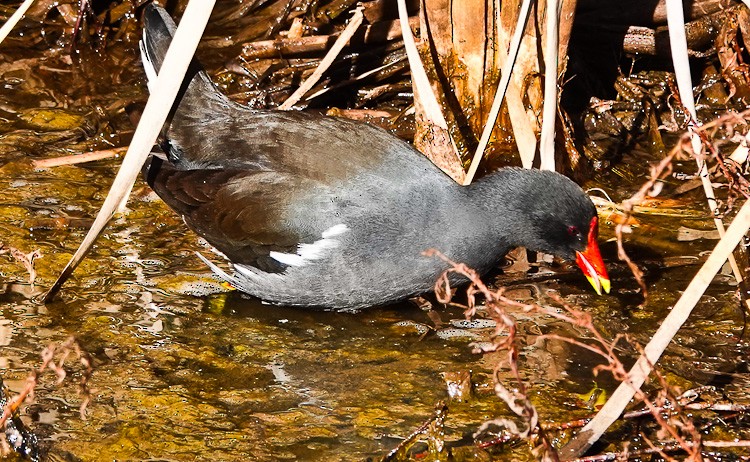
(197, 93)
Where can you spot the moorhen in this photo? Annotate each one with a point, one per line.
(327, 212)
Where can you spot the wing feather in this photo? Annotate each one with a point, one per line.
(241, 213)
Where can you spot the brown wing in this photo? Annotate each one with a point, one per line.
(237, 211)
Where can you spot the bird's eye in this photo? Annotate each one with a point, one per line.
(573, 231)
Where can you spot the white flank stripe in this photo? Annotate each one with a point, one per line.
(148, 66)
(315, 251)
(335, 230)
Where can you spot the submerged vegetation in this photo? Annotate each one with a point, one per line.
(171, 365)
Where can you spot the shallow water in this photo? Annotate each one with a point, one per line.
(185, 370)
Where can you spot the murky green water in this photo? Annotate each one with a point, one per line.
(186, 371)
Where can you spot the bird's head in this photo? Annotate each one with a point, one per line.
(560, 219)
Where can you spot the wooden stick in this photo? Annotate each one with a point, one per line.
(380, 32)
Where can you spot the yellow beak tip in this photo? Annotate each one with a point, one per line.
(599, 284)
(595, 284)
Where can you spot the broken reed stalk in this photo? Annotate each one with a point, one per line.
(13, 20)
(524, 128)
(424, 96)
(159, 103)
(327, 60)
(79, 158)
(661, 339)
(502, 88)
(419, 77)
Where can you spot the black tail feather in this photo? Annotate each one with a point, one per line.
(198, 96)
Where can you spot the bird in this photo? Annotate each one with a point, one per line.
(325, 212)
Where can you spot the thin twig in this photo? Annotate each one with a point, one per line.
(504, 339)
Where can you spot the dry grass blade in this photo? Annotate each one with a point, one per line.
(549, 112)
(326, 62)
(502, 87)
(157, 108)
(13, 20)
(661, 339)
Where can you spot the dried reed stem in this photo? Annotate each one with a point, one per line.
(159, 103)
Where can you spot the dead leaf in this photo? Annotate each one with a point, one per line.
(735, 71)
(689, 234)
(27, 260)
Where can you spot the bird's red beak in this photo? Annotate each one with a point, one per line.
(590, 261)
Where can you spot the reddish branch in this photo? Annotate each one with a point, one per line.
(668, 409)
(504, 338)
(664, 168)
(48, 362)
